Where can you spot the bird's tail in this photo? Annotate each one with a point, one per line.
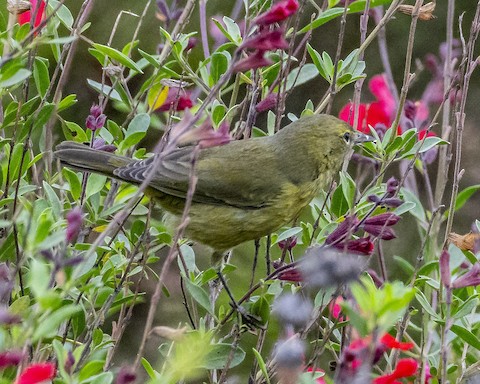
(83, 158)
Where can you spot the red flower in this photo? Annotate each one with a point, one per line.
(423, 133)
(177, 100)
(320, 380)
(335, 308)
(390, 342)
(37, 373)
(279, 12)
(405, 368)
(381, 111)
(25, 17)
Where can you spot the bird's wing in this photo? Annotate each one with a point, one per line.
(234, 174)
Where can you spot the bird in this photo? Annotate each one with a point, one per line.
(245, 189)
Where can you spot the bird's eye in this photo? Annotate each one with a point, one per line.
(346, 137)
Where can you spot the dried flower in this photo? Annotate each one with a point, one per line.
(468, 242)
(425, 12)
(279, 12)
(37, 373)
(17, 7)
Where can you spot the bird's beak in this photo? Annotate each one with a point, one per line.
(360, 137)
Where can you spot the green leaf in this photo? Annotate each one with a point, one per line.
(299, 76)
(95, 184)
(425, 304)
(466, 336)
(323, 18)
(136, 130)
(73, 182)
(18, 77)
(261, 365)
(53, 200)
(423, 146)
(62, 12)
(118, 56)
(105, 90)
(464, 195)
(40, 75)
(73, 131)
(67, 102)
(218, 66)
(48, 327)
(199, 295)
(233, 31)
(220, 355)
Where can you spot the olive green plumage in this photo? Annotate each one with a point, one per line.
(246, 189)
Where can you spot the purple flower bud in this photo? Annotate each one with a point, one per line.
(269, 102)
(386, 219)
(69, 362)
(373, 198)
(6, 283)
(361, 246)
(10, 358)
(469, 279)
(96, 119)
(74, 223)
(392, 186)
(445, 268)
(266, 40)
(292, 274)
(100, 145)
(279, 12)
(126, 376)
(252, 61)
(392, 202)
(7, 318)
(376, 279)
(192, 43)
(292, 309)
(380, 231)
(95, 110)
(290, 243)
(410, 110)
(345, 227)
